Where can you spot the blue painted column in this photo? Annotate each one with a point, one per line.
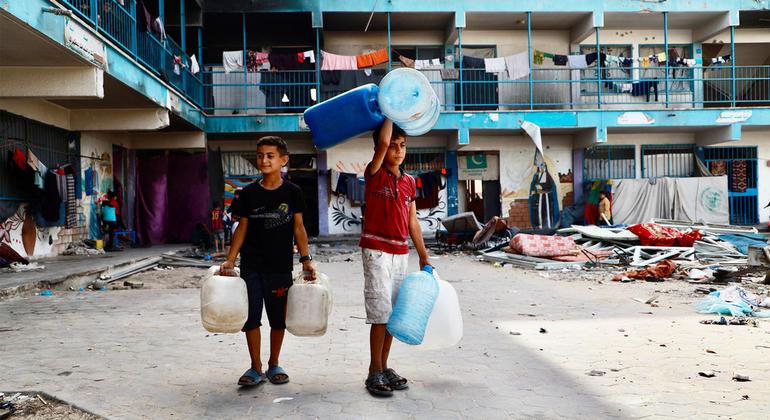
(93, 14)
(529, 52)
(598, 69)
(732, 64)
(390, 58)
(318, 66)
(183, 39)
(460, 57)
(202, 100)
(451, 182)
(665, 49)
(245, 80)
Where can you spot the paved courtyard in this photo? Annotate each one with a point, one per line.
(133, 354)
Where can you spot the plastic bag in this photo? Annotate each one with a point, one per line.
(715, 305)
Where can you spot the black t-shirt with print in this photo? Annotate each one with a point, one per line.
(269, 243)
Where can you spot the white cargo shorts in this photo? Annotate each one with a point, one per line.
(383, 274)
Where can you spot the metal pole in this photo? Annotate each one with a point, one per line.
(598, 69)
(531, 62)
(183, 38)
(390, 58)
(202, 100)
(460, 55)
(245, 81)
(318, 65)
(732, 64)
(665, 48)
(133, 29)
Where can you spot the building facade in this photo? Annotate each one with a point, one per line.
(168, 97)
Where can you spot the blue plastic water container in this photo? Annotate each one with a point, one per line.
(413, 307)
(407, 98)
(344, 116)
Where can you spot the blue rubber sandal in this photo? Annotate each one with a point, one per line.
(255, 376)
(274, 371)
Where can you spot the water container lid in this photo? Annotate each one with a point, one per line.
(404, 95)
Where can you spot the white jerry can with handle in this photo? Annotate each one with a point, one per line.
(224, 301)
(445, 325)
(308, 306)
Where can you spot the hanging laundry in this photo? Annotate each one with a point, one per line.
(282, 61)
(232, 60)
(158, 29)
(577, 61)
(494, 65)
(435, 62)
(645, 61)
(739, 177)
(626, 88)
(517, 65)
(406, 61)
(194, 68)
(39, 168)
(672, 53)
(143, 17)
(88, 181)
(718, 167)
(429, 185)
(178, 65)
(627, 62)
(255, 59)
(334, 177)
(19, 159)
(613, 61)
(537, 57)
(300, 57)
(72, 204)
(51, 202)
(471, 62)
(310, 54)
(372, 59)
(337, 62)
(356, 190)
(450, 74)
(560, 60)
(661, 57)
(421, 64)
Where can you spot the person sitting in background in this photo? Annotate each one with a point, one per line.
(605, 210)
(110, 220)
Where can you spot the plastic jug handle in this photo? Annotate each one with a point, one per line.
(428, 269)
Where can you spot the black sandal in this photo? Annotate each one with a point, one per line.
(377, 385)
(395, 380)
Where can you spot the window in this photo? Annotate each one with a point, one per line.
(423, 160)
(609, 162)
(677, 160)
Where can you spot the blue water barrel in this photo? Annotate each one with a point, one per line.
(424, 124)
(407, 98)
(413, 307)
(344, 116)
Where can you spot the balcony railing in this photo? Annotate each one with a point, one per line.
(268, 92)
(116, 20)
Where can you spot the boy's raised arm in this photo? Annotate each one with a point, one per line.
(383, 143)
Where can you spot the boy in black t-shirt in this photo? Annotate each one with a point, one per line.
(270, 212)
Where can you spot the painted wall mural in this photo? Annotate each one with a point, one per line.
(96, 178)
(22, 234)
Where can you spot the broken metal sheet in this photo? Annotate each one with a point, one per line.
(524, 261)
(115, 273)
(705, 227)
(596, 232)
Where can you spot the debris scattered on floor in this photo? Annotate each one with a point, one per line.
(28, 406)
(596, 373)
(707, 374)
(282, 399)
(543, 331)
(741, 378)
(82, 248)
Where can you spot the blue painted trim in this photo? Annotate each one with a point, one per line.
(598, 69)
(318, 65)
(245, 73)
(460, 59)
(732, 64)
(665, 49)
(253, 124)
(451, 182)
(390, 53)
(529, 53)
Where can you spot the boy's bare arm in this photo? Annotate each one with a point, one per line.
(383, 142)
(235, 246)
(415, 231)
(300, 237)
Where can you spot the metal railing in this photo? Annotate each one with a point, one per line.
(477, 90)
(116, 20)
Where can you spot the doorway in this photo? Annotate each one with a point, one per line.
(479, 178)
(303, 173)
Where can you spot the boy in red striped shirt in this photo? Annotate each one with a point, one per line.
(218, 227)
(390, 218)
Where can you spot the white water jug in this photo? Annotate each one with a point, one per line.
(224, 302)
(445, 326)
(309, 305)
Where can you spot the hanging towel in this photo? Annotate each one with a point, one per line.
(538, 57)
(158, 29)
(517, 65)
(337, 62)
(435, 62)
(661, 57)
(494, 65)
(335, 177)
(372, 59)
(450, 74)
(232, 60)
(613, 61)
(406, 61)
(645, 61)
(310, 54)
(472, 62)
(560, 60)
(39, 168)
(255, 59)
(421, 64)
(194, 68)
(577, 61)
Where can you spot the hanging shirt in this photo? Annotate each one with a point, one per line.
(517, 65)
(494, 65)
(386, 217)
(538, 57)
(372, 59)
(577, 61)
(194, 68)
(560, 60)
(338, 62)
(310, 54)
(232, 60)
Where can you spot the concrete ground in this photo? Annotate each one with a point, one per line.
(133, 354)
